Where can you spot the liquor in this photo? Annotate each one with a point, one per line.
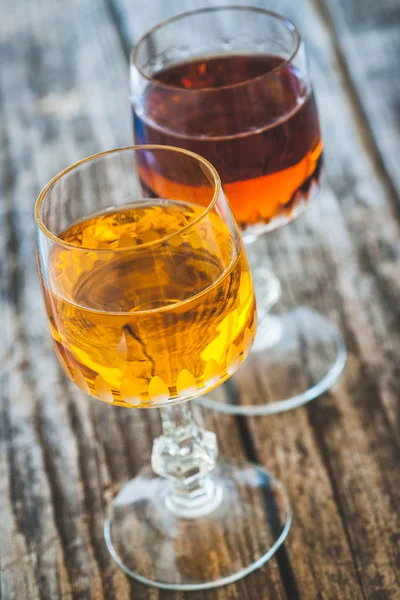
(253, 117)
(137, 321)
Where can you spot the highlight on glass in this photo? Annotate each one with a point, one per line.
(150, 303)
(232, 84)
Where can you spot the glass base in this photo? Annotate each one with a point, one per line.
(248, 520)
(295, 358)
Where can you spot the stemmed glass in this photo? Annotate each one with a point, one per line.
(232, 84)
(150, 303)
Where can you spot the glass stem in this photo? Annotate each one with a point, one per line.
(266, 284)
(185, 454)
(267, 290)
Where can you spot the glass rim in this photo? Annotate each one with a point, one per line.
(240, 7)
(207, 209)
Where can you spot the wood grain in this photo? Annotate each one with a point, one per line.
(367, 38)
(64, 95)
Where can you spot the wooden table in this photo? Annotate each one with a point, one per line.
(63, 95)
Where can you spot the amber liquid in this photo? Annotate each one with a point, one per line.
(261, 134)
(147, 323)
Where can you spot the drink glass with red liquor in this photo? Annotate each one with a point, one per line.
(232, 84)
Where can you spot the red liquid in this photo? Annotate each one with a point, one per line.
(260, 132)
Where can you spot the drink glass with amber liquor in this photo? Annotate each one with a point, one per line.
(150, 304)
(232, 84)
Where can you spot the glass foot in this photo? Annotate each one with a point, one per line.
(295, 358)
(248, 522)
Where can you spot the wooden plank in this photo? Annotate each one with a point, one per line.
(50, 496)
(340, 266)
(346, 445)
(60, 496)
(64, 95)
(355, 428)
(26, 511)
(368, 46)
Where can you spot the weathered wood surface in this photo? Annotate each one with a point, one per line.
(64, 95)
